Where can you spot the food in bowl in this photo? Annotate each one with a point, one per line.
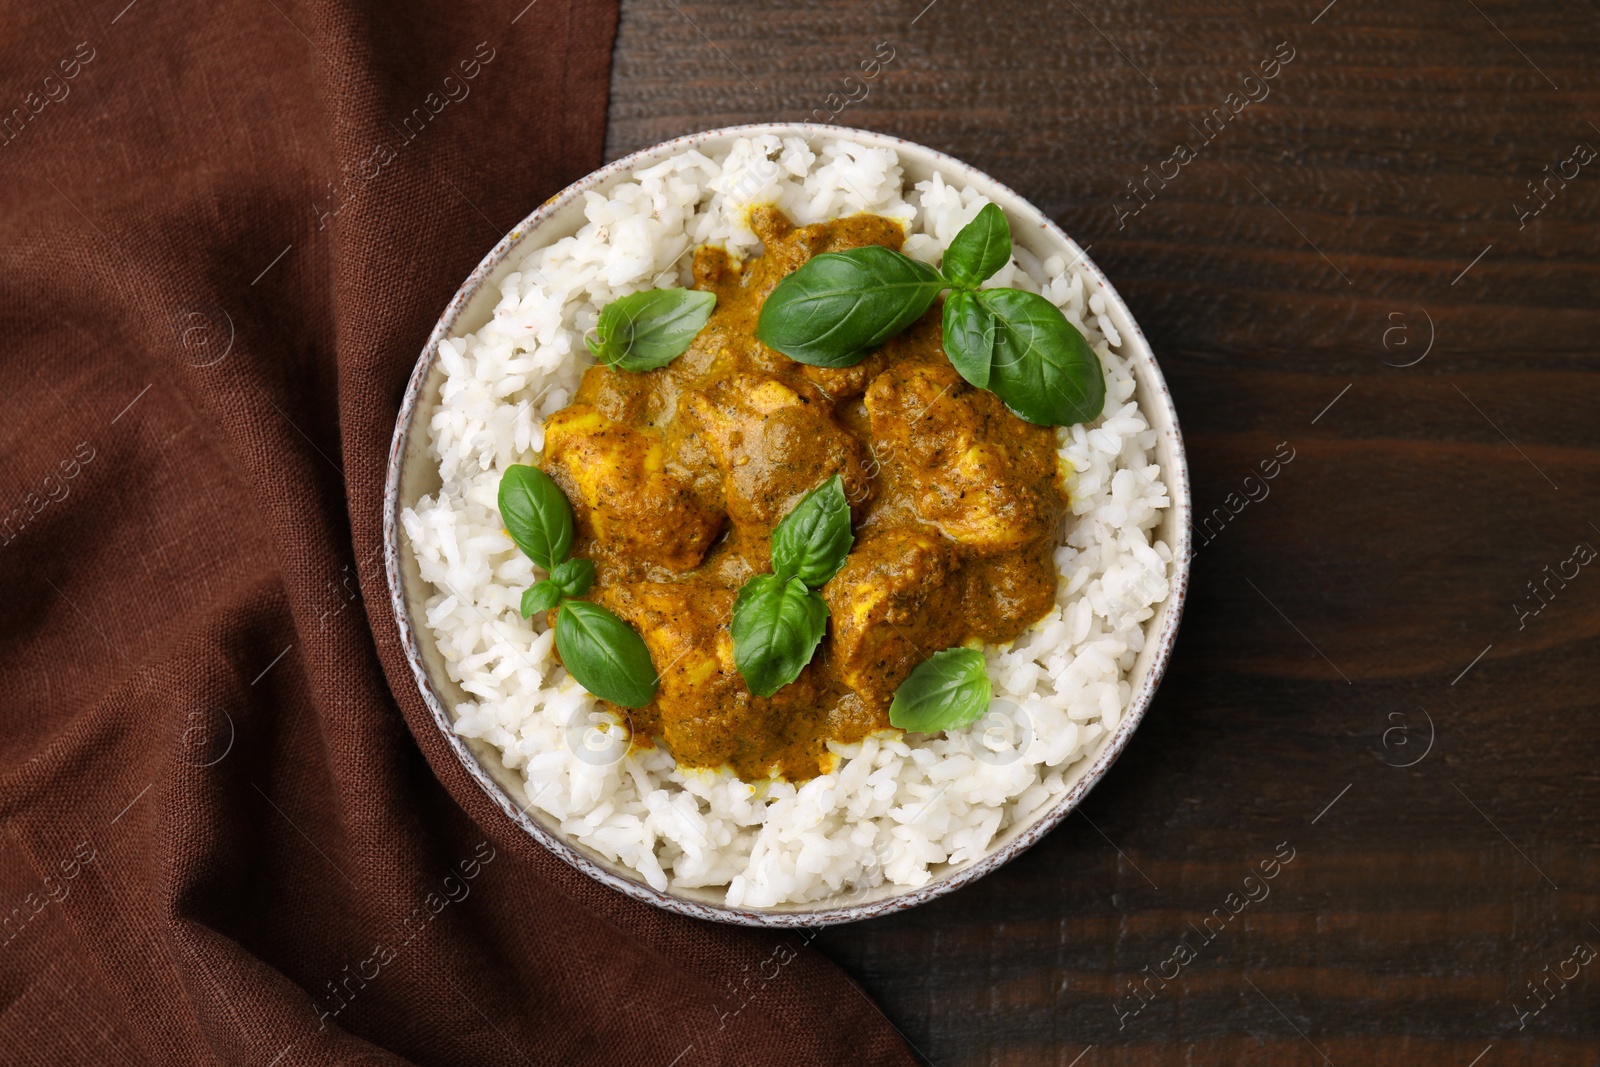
(954, 541)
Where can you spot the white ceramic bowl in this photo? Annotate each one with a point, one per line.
(413, 473)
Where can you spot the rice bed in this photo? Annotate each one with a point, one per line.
(896, 807)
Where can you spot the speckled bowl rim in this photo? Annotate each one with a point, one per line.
(1156, 401)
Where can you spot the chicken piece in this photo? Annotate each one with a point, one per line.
(1005, 594)
(785, 246)
(985, 478)
(621, 495)
(619, 395)
(686, 629)
(702, 708)
(891, 607)
(771, 446)
(842, 383)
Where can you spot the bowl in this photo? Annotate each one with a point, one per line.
(412, 473)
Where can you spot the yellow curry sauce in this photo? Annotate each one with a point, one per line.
(677, 477)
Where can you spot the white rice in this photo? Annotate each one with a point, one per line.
(895, 807)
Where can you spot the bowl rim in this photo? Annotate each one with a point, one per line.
(794, 916)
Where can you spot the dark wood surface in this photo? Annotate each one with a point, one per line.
(1289, 267)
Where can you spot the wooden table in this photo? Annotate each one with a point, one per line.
(1365, 676)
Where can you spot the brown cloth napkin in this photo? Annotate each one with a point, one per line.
(227, 229)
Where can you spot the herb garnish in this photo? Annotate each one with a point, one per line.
(604, 654)
(649, 329)
(838, 306)
(536, 514)
(949, 689)
(779, 618)
(981, 248)
(1042, 368)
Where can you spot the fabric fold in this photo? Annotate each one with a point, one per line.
(232, 831)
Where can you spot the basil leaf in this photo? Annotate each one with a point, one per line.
(777, 623)
(982, 247)
(604, 654)
(536, 514)
(969, 336)
(1043, 369)
(574, 577)
(812, 540)
(949, 689)
(650, 329)
(540, 597)
(840, 305)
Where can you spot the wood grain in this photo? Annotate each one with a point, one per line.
(1388, 557)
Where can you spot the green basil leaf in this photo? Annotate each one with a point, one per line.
(574, 577)
(536, 514)
(777, 623)
(1043, 369)
(650, 329)
(969, 337)
(948, 690)
(604, 654)
(982, 247)
(840, 305)
(812, 540)
(540, 597)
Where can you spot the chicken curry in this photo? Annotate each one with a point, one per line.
(677, 477)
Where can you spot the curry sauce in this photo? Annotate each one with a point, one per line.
(677, 477)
